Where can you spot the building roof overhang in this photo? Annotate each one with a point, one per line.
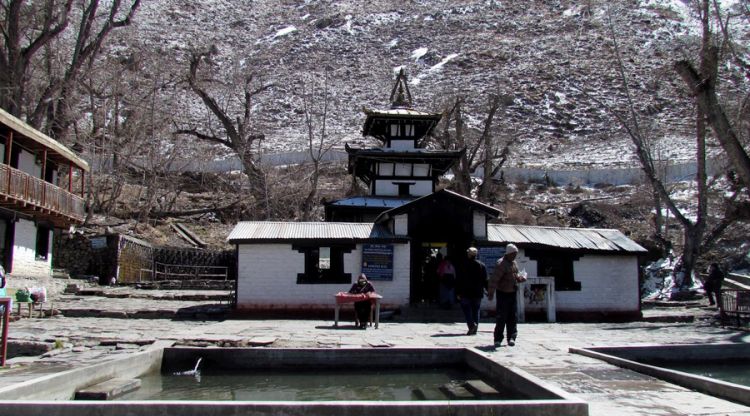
(443, 193)
(276, 232)
(36, 140)
(361, 160)
(376, 121)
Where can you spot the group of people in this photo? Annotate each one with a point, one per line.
(469, 288)
(502, 285)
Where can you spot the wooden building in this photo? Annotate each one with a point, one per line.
(37, 175)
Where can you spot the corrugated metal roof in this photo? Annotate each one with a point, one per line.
(270, 230)
(371, 201)
(573, 238)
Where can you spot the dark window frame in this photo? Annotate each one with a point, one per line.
(557, 264)
(313, 274)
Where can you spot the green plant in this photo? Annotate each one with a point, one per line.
(58, 344)
(23, 295)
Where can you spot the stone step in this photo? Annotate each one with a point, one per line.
(481, 389)
(109, 389)
(429, 394)
(455, 392)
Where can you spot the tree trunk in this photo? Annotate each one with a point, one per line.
(461, 173)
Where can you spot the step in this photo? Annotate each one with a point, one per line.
(429, 394)
(455, 392)
(109, 389)
(481, 389)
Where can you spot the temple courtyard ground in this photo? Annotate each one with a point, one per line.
(107, 324)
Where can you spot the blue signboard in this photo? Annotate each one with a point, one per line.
(489, 256)
(377, 261)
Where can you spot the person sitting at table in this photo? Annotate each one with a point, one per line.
(362, 308)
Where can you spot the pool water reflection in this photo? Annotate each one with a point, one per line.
(330, 385)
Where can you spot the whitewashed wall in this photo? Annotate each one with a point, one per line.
(389, 187)
(267, 278)
(608, 284)
(27, 163)
(479, 225)
(24, 252)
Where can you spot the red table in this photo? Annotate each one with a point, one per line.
(345, 297)
(6, 315)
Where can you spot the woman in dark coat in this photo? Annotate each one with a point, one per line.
(713, 282)
(362, 308)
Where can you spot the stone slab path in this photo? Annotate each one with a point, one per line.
(542, 348)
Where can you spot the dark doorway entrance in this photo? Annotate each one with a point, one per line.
(437, 226)
(425, 286)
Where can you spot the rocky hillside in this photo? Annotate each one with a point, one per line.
(553, 60)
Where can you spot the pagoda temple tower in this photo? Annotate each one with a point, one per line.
(402, 169)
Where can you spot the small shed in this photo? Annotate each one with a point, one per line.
(595, 271)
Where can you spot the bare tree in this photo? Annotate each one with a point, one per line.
(484, 150)
(31, 27)
(316, 100)
(702, 83)
(237, 131)
(697, 238)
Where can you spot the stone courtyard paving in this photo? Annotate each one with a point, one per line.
(542, 348)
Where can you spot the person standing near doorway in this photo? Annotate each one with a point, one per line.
(447, 276)
(504, 283)
(470, 289)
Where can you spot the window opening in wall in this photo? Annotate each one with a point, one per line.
(42, 242)
(324, 264)
(403, 189)
(409, 130)
(394, 130)
(324, 258)
(558, 265)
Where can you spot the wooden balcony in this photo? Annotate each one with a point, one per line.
(32, 196)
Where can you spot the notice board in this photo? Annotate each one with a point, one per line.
(377, 261)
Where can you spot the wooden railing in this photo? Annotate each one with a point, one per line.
(24, 188)
(735, 304)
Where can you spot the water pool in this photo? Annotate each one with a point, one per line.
(719, 370)
(446, 366)
(330, 385)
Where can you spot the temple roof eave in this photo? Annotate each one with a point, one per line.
(401, 113)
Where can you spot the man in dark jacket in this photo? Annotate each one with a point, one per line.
(504, 283)
(470, 289)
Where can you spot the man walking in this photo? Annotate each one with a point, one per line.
(470, 289)
(504, 283)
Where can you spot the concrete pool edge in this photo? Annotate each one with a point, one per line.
(64, 384)
(35, 396)
(719, 388)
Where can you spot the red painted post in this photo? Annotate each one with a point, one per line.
(5, 302)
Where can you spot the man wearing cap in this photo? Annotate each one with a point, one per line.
(470, 288)
(504, 283)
